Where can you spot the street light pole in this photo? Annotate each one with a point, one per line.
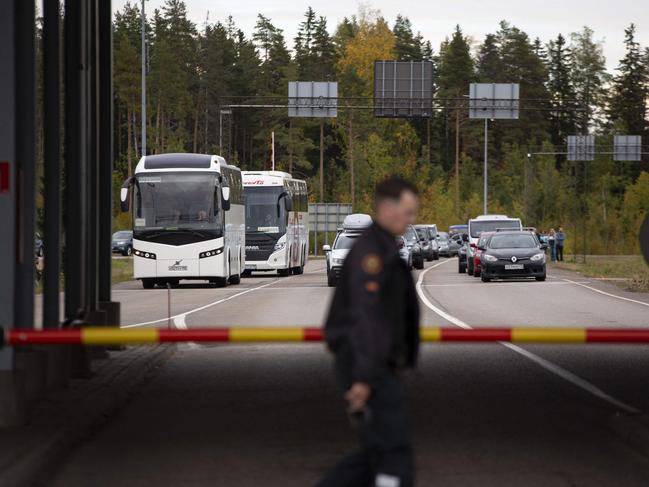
(143, 56)
(486, 157)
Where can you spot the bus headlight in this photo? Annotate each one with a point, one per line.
(210, 253)
(279, 246)
(143, 254)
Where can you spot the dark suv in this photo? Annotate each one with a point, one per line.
(512, 254)
(123, 242)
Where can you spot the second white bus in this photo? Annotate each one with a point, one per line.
(277, 222)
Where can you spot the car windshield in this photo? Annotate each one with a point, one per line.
(410, 235)
(261, 210)
(345, 241)
(422, 233)
(121, 235)
(479, 226)
(442, 236)
(512, 242)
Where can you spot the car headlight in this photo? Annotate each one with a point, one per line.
(279, 246)
(537, 257)
(489, 258)
(337, 261)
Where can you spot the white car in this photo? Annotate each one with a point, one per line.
(353, 227)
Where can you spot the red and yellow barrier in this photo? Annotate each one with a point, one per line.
(139, 336)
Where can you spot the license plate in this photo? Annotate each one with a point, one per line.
(514, 267)
(251, 267)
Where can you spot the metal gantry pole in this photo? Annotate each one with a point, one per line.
(25, 162)
(52, 171)
(486, 156)
(143, 56)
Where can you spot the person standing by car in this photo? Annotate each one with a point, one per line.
(552, 244)
(373, 331)
(560, 239)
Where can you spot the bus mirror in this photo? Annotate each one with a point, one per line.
(124, 194)
(225, 197)
(288, 203)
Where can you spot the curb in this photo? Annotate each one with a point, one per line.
(100, 398)
(633, 430)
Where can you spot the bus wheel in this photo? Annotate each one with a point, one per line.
(236, 279)
(148, 283)
(283, 272)
(298, 270)
(219, 281)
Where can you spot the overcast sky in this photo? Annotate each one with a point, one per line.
(437, 18)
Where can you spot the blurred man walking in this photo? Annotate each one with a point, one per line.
(373, 331)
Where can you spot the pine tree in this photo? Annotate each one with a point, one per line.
(627, 107)
(562, 94)
(589, 76)
(407, 47)
(303, 47)
(489, 65)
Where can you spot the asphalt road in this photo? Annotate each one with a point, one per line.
(483, 415)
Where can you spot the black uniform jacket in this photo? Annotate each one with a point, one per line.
(374, 312)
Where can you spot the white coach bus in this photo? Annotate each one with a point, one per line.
(277, 222)
(188, 219)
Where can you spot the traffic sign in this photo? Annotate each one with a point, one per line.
(644, 238)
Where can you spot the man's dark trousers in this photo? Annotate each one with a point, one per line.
(560, 252)
(385, 446)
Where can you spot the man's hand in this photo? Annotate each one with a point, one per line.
(358, 395)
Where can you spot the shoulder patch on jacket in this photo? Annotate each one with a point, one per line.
(372, 264)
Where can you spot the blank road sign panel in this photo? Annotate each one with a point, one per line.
(494, 100)
(312, 99)
(403, 89)
(581, 147)
(627, 148)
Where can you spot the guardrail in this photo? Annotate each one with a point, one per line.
(142, 336)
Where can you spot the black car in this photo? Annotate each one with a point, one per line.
(123, 242)
(425, 242)
(412, 243)
(461, 256)
(512, 254)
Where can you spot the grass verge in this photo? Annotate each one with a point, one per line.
(122, 271)
(628, 271)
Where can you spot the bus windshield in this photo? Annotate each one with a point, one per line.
(261, 210)
(177, 201)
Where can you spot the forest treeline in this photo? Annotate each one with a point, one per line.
(193, 71)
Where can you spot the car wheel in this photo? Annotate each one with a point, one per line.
(148, 283)
(246, 273)
(485, 278)
(540, 278)
(331, 281)
(129, 251)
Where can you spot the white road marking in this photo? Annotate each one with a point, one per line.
(643, 303)
(547, 365)
(500, 283)
(209, 305)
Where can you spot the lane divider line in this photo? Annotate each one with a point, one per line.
(643, 303)
(209, 305)
(545, 364)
